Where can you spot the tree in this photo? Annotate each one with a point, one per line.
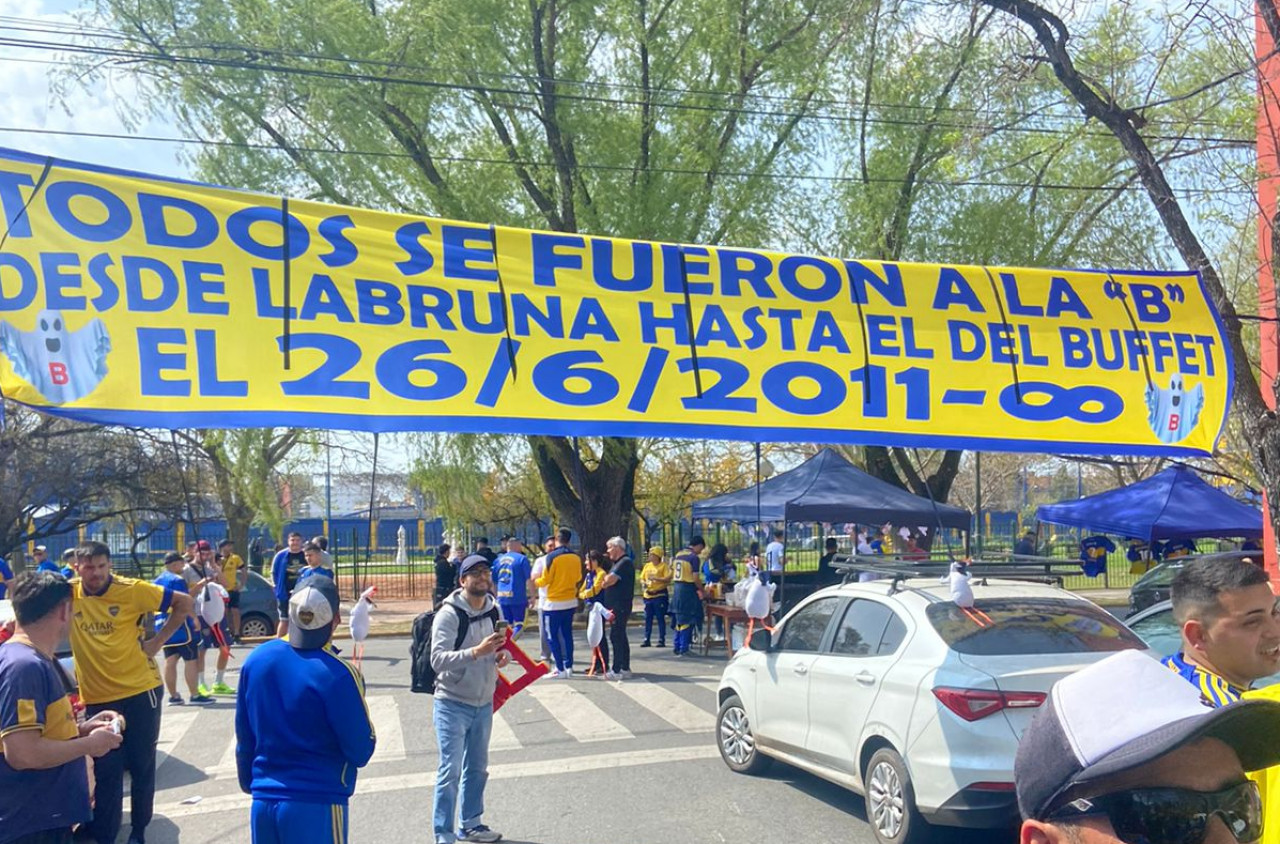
(245, 468)
(59, 475)
(640, 118)
(1128, 107)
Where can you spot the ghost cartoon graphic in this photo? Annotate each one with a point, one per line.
(62, 365)
(1174, 413)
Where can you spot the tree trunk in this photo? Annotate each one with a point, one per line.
(596, 503)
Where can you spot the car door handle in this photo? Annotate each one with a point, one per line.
(866, 678)
(801, 669)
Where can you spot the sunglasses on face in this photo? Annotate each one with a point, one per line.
(1173, 815)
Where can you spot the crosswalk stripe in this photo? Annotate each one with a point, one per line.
(384, 711)
(503, 736)
(422, 781)
(227, 764)
(173, 726)
(667, 705)
(581, 719)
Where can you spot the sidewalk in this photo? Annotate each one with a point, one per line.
(394, 616)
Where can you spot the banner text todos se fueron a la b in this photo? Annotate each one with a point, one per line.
(127, 298)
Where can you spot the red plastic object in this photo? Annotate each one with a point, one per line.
(508, 689)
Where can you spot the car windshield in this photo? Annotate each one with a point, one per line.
(1159, 577)
(1011, 626)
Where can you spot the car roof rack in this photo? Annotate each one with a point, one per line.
(1041, 570)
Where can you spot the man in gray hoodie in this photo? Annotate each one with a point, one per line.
(466, 675)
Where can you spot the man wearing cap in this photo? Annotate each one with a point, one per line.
(1161, 768)
(199, 573)
(42, 561)
(655, 578)
(184, 644)
(301, 726)
(466, 675)
(234, 577)
(1230, 627)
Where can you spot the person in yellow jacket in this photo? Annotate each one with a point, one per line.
(655, 577)
(560, 577)
(1268, 779)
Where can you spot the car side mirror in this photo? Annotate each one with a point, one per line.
(761, 640)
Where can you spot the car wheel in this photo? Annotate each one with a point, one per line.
(736, 742)
(891, 800)
(256, 626)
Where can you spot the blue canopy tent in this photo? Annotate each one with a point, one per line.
(828, 488)
(1173, 504)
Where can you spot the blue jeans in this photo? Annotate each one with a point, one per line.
(560, 636)
(656, 609)
(462, 732)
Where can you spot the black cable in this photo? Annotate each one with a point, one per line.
(186, 491)
(383, 79)
(1142, 347)
(22, 212)
(1013, 359)
(688, 318)
(286, 258)
(866, 344)
(618, 168)
(506, 310)
(368, 548)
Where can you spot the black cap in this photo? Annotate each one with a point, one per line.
(1122, 713)
(471, 562)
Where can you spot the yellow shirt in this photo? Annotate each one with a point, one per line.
(106, 638)
(655, 571)
(231, 566)
(1268, 779)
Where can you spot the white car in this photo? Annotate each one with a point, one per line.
(892, 690)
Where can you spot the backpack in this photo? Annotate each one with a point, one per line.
(424, 676)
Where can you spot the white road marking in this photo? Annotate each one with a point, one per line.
(384, 711)
(425, 781)
(503, 736)
(576, 712)
(668, 706)
(173, 726)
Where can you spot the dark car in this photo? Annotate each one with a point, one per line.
(1155, 626)
(1153, 587)
(259, 613)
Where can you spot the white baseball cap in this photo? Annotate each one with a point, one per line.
(312, 608)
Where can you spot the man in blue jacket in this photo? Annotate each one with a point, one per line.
(301, 726)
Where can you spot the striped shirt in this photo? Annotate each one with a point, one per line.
(1214, 690)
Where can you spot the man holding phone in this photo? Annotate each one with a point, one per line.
(466, 669)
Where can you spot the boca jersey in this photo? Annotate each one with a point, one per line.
(107, 630)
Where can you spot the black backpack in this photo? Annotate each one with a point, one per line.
(424, 676)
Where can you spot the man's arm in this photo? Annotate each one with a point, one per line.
(246, 739)
(278, 567)
(28, 750)
(349, 717)
(180, 606)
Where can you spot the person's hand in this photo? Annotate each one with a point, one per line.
(152, 646)
(102, 741)
(488, 644)
(105, 718)
(503, 658)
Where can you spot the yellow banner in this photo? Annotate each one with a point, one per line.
(127, 298)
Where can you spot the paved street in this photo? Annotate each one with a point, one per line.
(572, 763)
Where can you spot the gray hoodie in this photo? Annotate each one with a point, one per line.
(459, 676)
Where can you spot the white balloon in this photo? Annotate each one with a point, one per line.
(595, 623)
(757, 603)
(212, 603)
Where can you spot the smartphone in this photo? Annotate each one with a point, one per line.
(500, 627)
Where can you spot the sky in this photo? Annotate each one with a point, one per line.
(26, 77)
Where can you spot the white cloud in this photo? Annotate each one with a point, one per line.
(27, 77)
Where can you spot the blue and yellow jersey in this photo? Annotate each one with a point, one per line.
(686, 566)
(1215, 690)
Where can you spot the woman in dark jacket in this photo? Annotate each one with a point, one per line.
(446, 575)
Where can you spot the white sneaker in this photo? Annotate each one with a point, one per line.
(568, 673)
(612, 675)
(624, 675)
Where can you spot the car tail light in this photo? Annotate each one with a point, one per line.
(975, 704)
